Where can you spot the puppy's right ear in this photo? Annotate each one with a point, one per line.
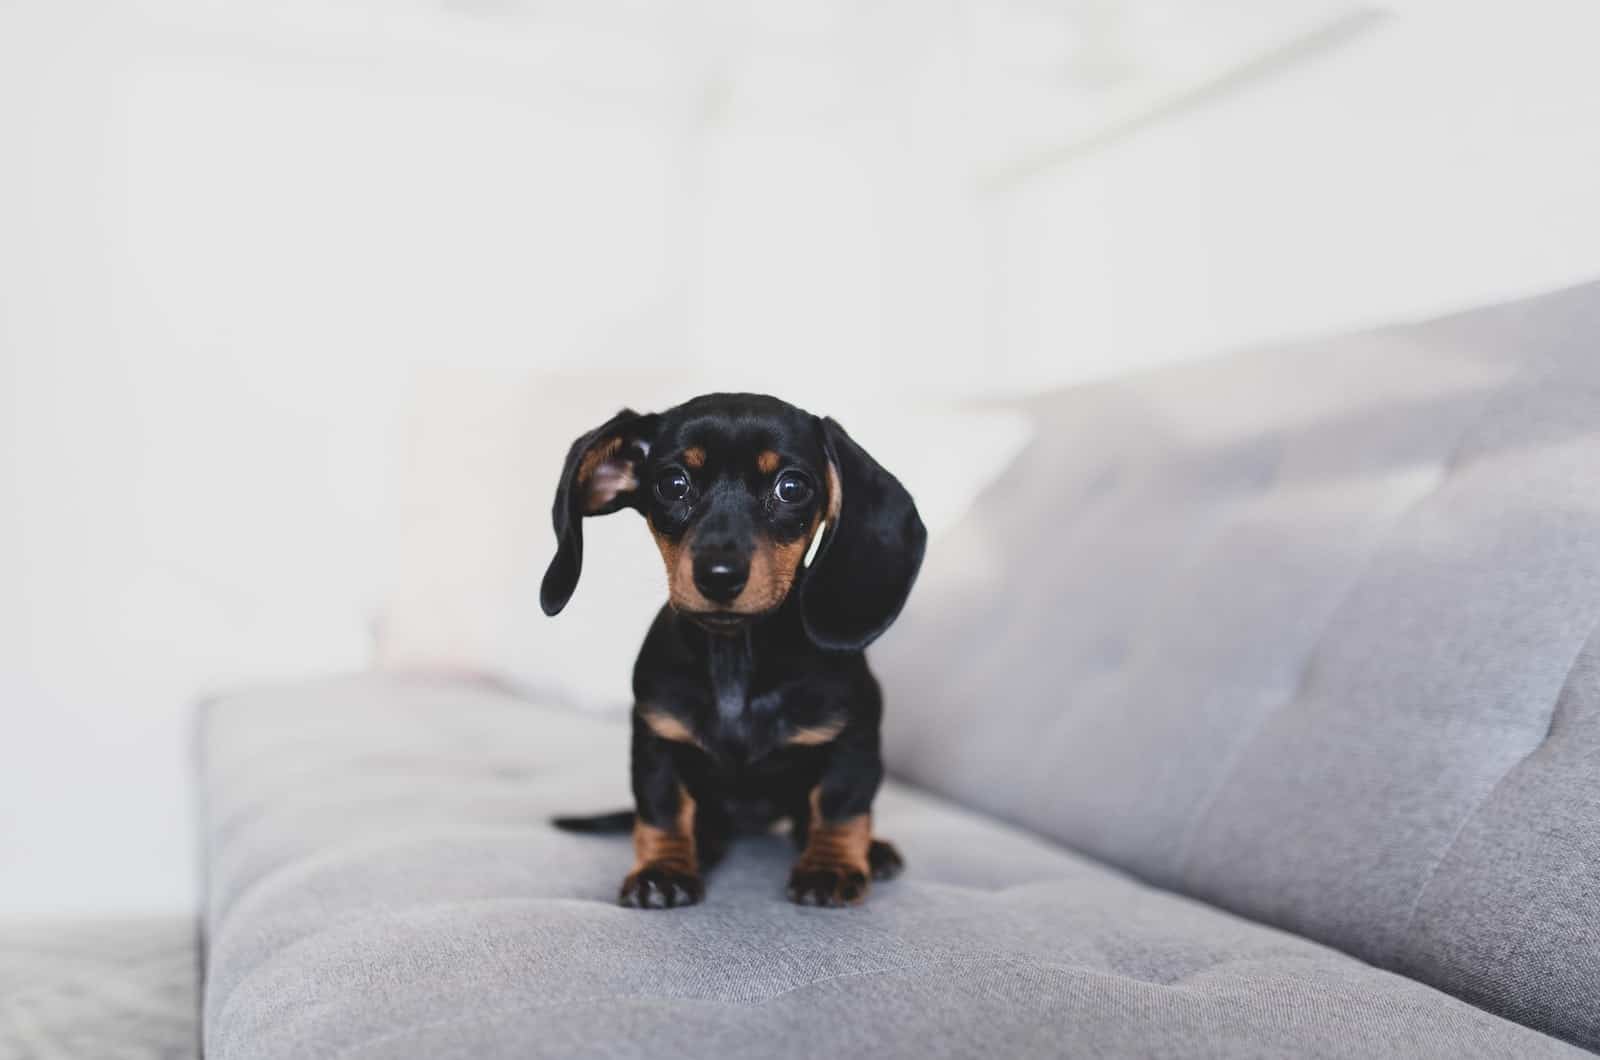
(600, 476)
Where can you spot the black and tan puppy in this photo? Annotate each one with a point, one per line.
(752, 698)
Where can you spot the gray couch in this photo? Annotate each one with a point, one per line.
(1254, 712)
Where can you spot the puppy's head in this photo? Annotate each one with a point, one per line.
(735, 487)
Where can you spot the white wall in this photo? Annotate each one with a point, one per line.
(228, 249)
(841, 238)
(1435, 156)
(1447, 157)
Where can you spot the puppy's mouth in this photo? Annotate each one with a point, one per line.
(722, 621)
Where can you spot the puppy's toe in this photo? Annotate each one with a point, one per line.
(884, 860)
(660, 887)
(832, 886)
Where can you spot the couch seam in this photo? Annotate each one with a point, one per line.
(349, 1050)
(1447, 470)
(1181, 983)
(1404, 934)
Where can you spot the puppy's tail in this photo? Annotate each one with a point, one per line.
(599, 824)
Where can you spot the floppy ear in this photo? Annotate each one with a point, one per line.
(869, 555)
(600, 476)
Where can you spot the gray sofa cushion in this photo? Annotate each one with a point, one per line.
(108, 988)
(383, 884)
(1308, 633)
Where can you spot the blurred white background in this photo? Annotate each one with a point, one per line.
(241, 242)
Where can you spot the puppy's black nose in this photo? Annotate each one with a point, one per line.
(720, 576)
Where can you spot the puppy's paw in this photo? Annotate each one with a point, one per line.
(660, 886)
(827, 884)
(884, 860)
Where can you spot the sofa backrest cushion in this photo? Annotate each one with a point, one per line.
(1311, 634)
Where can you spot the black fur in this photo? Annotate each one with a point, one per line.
(597, 824)
(865, 568)
(729, 704)
(567, 514)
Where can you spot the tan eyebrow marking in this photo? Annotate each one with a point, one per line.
(694, 457)
(767, 461)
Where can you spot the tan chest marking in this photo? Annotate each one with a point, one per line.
(815, 735)
(668, 726)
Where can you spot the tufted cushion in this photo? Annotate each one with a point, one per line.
(1308, 633)
(124, 988)
(383, 883)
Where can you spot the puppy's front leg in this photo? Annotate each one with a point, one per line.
(666, 869)
(840, 856)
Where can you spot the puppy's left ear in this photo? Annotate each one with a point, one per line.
(601, 475)
(870, 554)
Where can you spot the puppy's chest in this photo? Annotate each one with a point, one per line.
(744, 722)
(730, 672)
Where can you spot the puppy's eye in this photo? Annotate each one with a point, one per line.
(672, 484)
(792, 488)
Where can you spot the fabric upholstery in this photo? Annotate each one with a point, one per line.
(107, 988)
(383, 883)
(1309, 634)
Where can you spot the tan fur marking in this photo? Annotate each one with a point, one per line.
(773, 566)
(816, 735)
(835, 494)
(679, 561)
(668, 727)
(836, 844)
(601, 476)
(595, 456)
(767, 461)
(669, 848)
(694, 457)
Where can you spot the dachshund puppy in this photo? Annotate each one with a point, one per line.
(752, 698)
